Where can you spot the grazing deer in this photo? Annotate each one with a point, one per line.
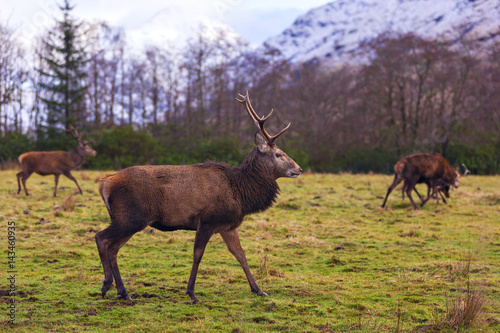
(54, 162)
(443, 185)
(209, 198)
(441, 188)
(429, 168)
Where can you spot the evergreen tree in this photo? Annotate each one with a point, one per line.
(64, 85)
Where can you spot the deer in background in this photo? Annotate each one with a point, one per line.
(209, 198)
(54, 162)
(429, 168)
(442, 185)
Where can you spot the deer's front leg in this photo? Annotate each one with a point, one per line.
(232, 241)
(68, 174)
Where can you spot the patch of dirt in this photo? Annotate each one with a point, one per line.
(91, 312)
(335, 262)
(5, 292)
(41, 221)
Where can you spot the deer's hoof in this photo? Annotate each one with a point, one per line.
(105, 287)
(124, 296)
(192, 296)
(194, 299)
(260, 292)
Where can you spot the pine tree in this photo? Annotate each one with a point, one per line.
(64, 85)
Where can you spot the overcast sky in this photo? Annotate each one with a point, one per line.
(255, 20)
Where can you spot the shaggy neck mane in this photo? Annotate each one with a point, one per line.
(255, 186)
(78, 156)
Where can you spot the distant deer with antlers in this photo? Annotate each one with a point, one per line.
(209, 198)
(54, 162)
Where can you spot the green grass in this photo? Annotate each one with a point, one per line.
(329, 257)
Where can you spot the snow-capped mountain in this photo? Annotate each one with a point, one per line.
(175, 25)
(333, 32)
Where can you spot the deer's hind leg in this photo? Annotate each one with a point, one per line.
(102, 241)
(19, 176)
(203, 235)
(410, 186)
(397, 179)
(109, 241)
(24, 175)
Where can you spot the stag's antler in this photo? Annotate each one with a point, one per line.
(74, 132)
(259, 121)
(466, 170)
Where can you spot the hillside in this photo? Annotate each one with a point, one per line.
(333, 32)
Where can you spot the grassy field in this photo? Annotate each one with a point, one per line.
(329, 257)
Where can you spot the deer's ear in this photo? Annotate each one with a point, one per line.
(261, 142)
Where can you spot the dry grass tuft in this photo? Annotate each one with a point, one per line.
(266, 271)
(364, 323)
(464, 309)
(411, 233)
(263, 265)
(276, 273)
(69, 203)
(84, 175)
(399, 316)
(461, 269)
(97, 178)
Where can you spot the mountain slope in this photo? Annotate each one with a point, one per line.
(176, 24)
(334, 31)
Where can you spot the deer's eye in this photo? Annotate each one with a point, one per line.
(278, 155)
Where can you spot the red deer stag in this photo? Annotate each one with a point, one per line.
(429, 168)
(209, 197)
(54, 162)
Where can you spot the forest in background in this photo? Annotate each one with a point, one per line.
(402, 94)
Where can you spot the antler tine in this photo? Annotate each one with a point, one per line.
(281, 132)
(71, 128)
(259, 121)
(246, 101)
(73, 132)
(466, 170)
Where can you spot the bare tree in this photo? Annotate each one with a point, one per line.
(105, 47)
(196, 54)
(13, 74)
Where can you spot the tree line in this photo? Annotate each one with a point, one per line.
(401, 94)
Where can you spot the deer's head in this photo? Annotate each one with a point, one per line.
(275, 160)
(83, 146)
